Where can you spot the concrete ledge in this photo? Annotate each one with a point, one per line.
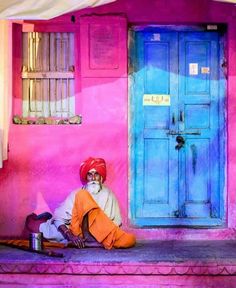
(97, 268)
(152, 264)
(104, 281)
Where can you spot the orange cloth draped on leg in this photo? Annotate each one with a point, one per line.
(100, 226)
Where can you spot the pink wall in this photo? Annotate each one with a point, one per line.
(44, 161)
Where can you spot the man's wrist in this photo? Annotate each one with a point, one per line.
(64, 231)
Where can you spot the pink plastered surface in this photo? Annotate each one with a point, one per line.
(43, 163)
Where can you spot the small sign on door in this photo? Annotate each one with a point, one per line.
(193, 68)
(205, 70)
(156, 100)
(156, 37)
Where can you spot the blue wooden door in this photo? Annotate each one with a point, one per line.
(176, 150)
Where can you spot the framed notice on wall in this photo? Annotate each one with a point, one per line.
(103, 49)
(103, 46)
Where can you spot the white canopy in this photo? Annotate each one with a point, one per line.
(43, 9)
(47, 9)
(229, 1)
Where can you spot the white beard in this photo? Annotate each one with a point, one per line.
(93, 187)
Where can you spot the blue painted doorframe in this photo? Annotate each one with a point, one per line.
(177, 147)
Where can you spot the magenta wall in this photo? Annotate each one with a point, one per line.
(44, 161)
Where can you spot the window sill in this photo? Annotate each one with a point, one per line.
(74, 120)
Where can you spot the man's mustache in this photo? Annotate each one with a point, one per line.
(93, 182)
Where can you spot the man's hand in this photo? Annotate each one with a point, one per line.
(68, 235)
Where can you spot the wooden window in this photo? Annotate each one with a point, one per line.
(48, 74)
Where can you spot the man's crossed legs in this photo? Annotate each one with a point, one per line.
(88, 223)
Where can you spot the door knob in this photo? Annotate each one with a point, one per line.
(180, 140)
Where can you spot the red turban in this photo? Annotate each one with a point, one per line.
(98, 164)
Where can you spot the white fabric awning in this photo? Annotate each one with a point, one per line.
(227, 1)
(47, 9)
(43, 9)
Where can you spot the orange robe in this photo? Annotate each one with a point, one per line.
(99, 225)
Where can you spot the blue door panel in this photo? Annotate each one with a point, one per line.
(198, 210)
(172, 185)
(152, 174)
(158, 200)
(157, 67)
(197, 170)
(197, 116)
(197, 198)
(197, 99)
(197, 52)
(156, 195)
(156, 117)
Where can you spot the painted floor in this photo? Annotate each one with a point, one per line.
(144, 252)
(151, 263)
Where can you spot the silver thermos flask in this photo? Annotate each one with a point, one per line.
(36, 241)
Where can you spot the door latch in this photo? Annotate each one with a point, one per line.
(180, 140)
(173, 119)
(181, 116)
(173, 132)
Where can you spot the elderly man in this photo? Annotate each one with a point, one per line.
(87, 215)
